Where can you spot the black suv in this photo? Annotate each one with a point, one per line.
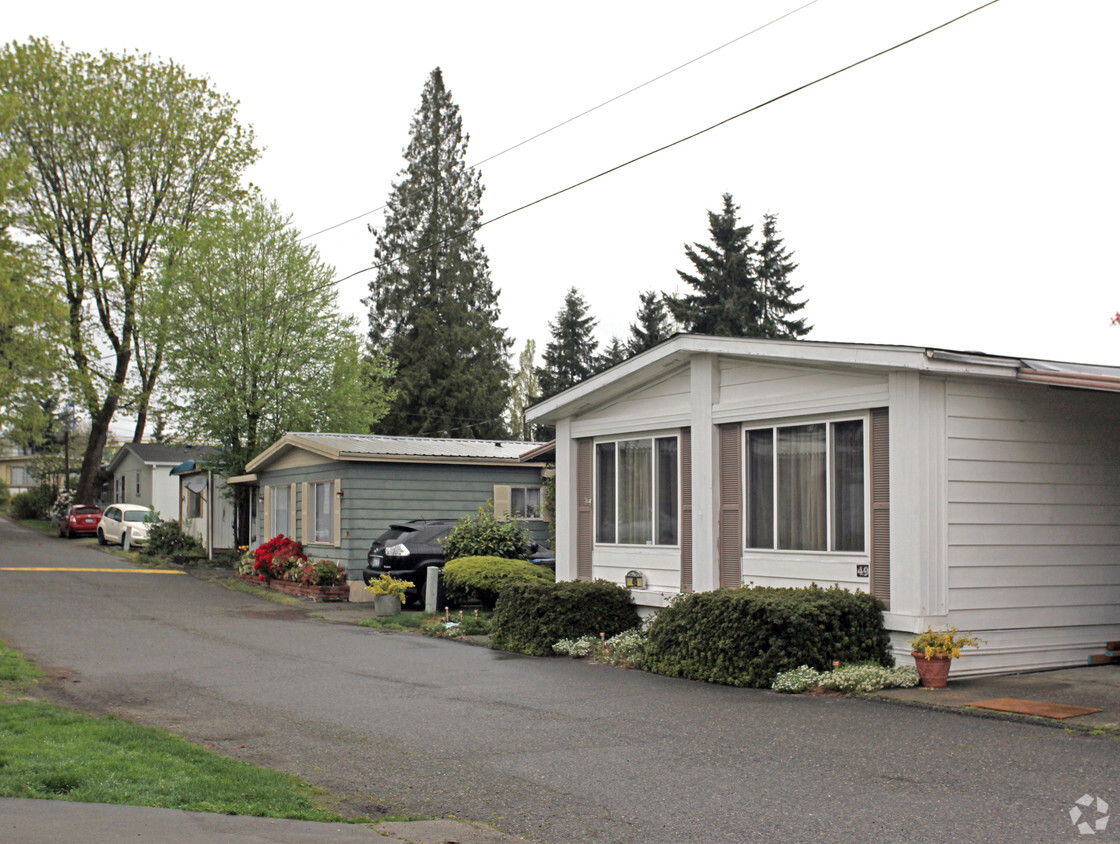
(407, 550)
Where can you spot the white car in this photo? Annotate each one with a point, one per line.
(125, 525)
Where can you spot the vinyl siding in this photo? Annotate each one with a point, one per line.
(751, 392)
(1034, 522)
(663, 404)
(378, 494)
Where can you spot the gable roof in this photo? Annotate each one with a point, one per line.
(162, 453)
(377, 448)
(674, 354)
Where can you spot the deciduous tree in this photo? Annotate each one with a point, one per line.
(260, 348)
(125, 152)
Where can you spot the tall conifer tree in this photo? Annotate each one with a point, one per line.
(741, 288)
(569, 356)
(433, 309)
(653, 325)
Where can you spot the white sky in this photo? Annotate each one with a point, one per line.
(959, 192)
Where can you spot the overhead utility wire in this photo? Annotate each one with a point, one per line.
(653, 152)
(587, 111)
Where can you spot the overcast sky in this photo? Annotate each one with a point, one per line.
(960, 192)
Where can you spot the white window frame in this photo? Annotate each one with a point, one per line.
(312, 519)
(525, 517)
(828, 422)
(653, 438)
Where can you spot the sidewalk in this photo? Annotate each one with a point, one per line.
(25, 821)
(1093, 686)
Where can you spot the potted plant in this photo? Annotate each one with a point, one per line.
(934, 651)
(388, 595)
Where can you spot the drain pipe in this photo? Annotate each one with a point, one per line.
(210, 516)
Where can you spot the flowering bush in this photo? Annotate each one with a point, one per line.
(275, 558)
(61, 507)
(388, 585)
(321, 573)
(624, 649)
(848, 679)
(943, 642)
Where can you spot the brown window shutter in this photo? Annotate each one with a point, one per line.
(730, 506)
(686, 508)
(880, 505)
(584, 508)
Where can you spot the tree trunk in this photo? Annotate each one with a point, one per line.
(87, 489)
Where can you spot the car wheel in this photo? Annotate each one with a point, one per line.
(101, 538)
(68, 535)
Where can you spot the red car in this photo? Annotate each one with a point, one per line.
(82, 519)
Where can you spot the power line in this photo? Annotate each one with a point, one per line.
(586, 112)
(653, 152)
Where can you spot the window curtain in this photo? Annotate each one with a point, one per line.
(667, 491)
(324, 516)
(604, 492)
(802, 489)
(760, 488)
(847, 486)
(281, 500)
(635, 499)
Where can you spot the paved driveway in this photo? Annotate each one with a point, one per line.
(551, 748)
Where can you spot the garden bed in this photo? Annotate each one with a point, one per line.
(340, 592)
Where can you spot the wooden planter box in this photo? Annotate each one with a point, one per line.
(341, 592)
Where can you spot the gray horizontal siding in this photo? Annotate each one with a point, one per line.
(376, 495)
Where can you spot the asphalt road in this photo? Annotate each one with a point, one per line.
(552, 749)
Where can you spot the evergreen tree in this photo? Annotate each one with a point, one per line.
(614, 352)
(433, 309)
(653, 325)
(569, 356)
(774, 269)
(742, 289)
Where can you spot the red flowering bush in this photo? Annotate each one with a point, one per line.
(278, 556)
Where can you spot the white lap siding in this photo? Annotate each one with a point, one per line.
(1034, 523)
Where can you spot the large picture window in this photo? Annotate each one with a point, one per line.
(805, 487)
(637, 491)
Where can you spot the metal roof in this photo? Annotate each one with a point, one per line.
(375, 447)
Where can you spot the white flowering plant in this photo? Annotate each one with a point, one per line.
(858, 678)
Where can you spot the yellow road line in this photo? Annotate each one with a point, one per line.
(110, 571)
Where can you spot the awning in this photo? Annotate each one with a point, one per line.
(184, 468)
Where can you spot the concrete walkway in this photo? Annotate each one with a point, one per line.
(1093, 686)
(52, 821)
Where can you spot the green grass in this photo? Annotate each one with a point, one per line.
(50, 752)
(401, 621)
(43, 526)
(235, 585)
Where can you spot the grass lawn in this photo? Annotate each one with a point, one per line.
(48, 751)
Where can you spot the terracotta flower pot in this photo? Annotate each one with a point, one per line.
(932, 673)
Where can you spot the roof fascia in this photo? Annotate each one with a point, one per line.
(289, 441)
(678, 350)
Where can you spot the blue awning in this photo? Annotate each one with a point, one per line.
(184, 468)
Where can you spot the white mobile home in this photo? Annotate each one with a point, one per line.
(961, 488)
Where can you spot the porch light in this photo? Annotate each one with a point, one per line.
(635, 580)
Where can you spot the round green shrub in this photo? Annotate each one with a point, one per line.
(484, 578)
(168, 539)
(746, 637)
(482, 535)
(33, 504)
(530, 618)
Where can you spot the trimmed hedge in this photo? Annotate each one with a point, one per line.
(531, 617)
(485, 577)
(746, 637)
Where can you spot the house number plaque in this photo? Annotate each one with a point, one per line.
(863, 570)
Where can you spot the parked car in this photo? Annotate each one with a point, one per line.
(125, 525)
(80, 519)
(407, 550)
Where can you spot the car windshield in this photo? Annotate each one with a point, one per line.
(86, 511)
(136, 515)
